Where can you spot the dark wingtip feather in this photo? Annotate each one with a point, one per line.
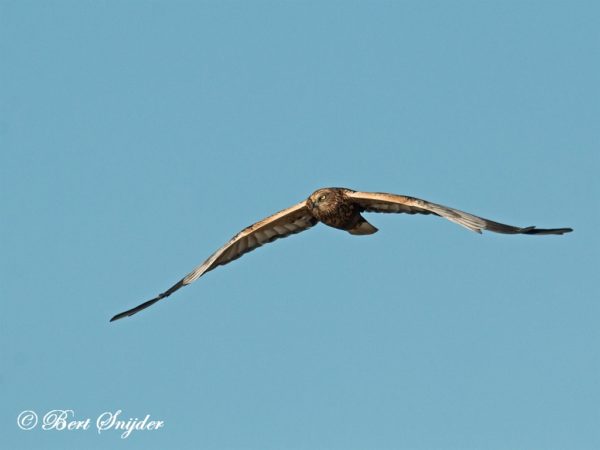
(132, 311)
(534, 230)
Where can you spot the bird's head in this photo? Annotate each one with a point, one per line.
(322, 200)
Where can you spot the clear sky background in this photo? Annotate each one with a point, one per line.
(138, 137)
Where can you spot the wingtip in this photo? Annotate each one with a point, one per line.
(120, 316)
(561, 230)
(557, 231)
(132, 311)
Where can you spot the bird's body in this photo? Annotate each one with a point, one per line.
(333, 207)
(339, 208)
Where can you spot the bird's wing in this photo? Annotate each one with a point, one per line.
(391, 203)
(284, 223)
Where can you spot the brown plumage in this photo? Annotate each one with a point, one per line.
(339, 208)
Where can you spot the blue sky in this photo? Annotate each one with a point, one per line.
(138, 137)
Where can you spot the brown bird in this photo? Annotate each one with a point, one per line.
(339, 208)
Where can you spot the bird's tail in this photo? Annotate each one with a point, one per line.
(362, 227)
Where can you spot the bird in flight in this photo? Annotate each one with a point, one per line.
(339, 208)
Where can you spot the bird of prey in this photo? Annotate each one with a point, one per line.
(339, 208)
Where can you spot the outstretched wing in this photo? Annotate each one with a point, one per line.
(284, 223)
(391, 203)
